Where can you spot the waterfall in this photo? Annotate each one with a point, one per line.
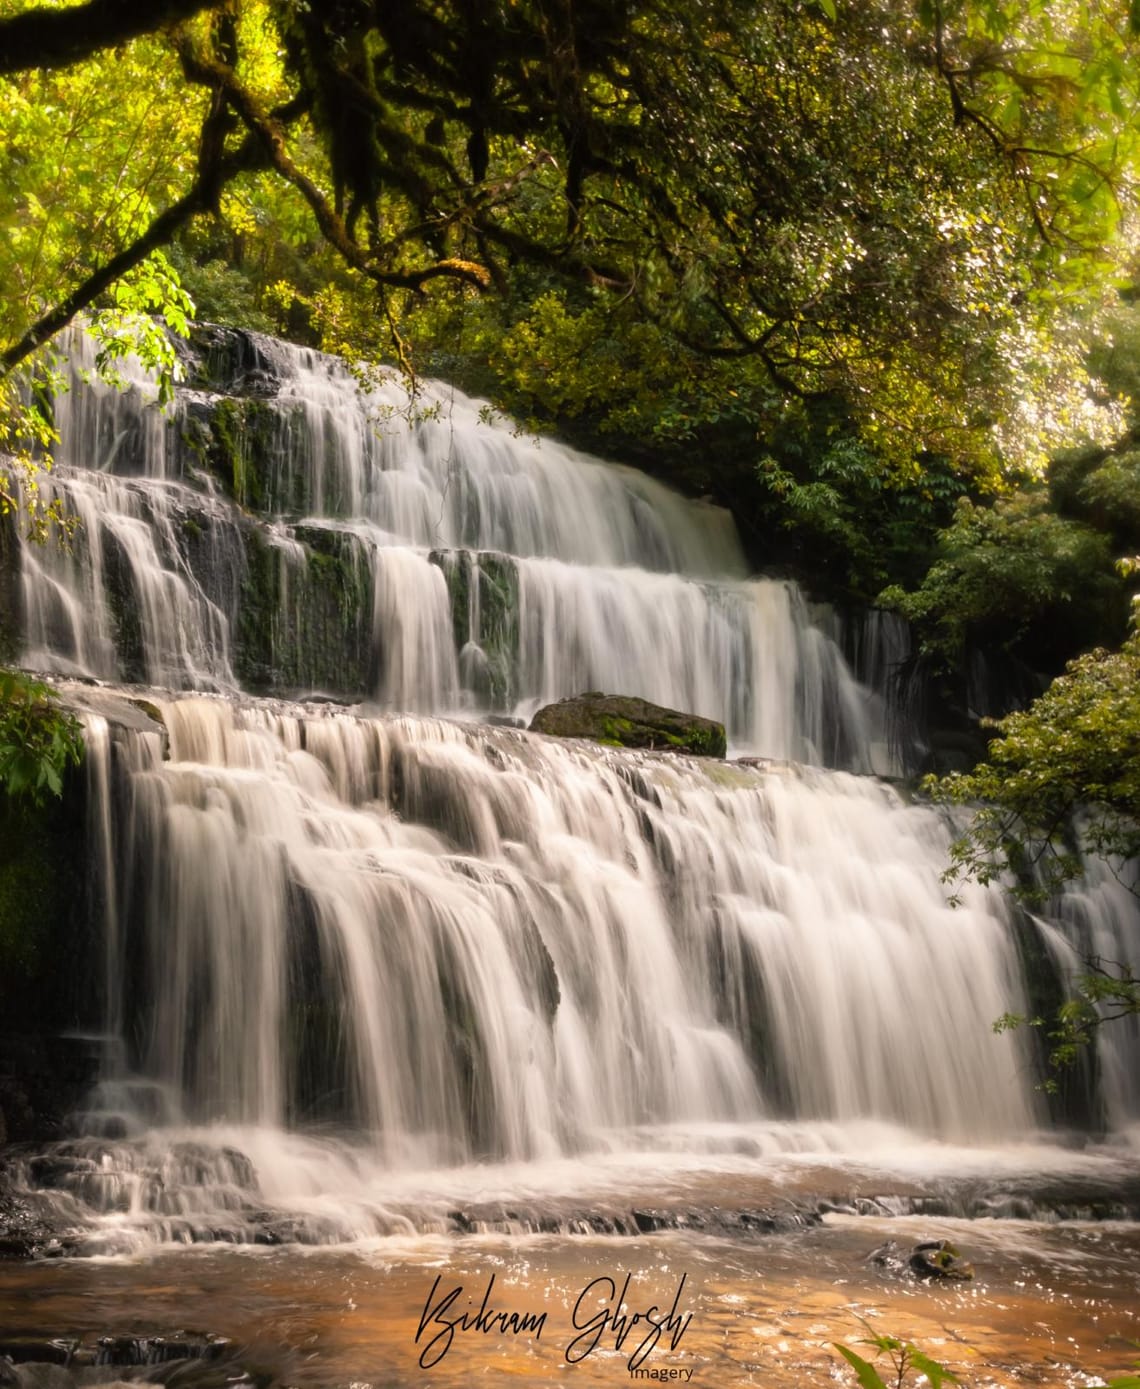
(376, 933)
(471, 942)
(304, 535)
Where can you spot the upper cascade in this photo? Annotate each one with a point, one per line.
(436, 469)
(286, 528)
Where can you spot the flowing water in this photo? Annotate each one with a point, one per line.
(391, 992)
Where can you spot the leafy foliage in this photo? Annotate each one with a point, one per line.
(903, 1358)
(728, 207)
(147, 305)
(1061, 779)
(1105, 991)
(1015, 574)
(38, 740)
(1061, 782)
(26, 436)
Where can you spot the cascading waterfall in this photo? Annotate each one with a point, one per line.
(413, 552)
(486, 942)
(382, 940)
(1096, 928)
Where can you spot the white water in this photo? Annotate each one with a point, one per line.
(526, 946)
(622, 584)
(388, 943)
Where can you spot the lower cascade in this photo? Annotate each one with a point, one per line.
(472, 942)
(347, 950)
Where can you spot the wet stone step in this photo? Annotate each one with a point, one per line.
(191, 1359)
(29, 1349)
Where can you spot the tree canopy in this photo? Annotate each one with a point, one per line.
(909, 207)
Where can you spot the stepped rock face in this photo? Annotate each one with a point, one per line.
(627, 722)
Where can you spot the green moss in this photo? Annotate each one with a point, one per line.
(496, 585)
(499, 625)
(304, 623)
(152, 711)
(623, 721)
(238, 444)
(456, 567)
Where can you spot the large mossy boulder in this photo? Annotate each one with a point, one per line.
(627, 722)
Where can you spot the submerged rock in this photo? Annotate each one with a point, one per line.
(940, 1259)
(933, 1259)
(628, 722)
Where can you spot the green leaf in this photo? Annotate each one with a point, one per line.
(868, 1376)
(937, 1374)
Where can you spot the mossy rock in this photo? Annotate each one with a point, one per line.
(628, 722)
(151, 710)
(939, 1259)
(229, 360)
(495, 678)
(304, 622)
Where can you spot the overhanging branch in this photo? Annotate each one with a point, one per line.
(267, 131)
(56, 38)
(199, 199)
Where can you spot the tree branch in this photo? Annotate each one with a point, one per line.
(263, 128)
(162, 228)
(56, 38)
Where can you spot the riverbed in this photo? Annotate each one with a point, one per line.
(760, 1300)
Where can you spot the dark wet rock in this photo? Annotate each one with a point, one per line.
(232, 360)
(305, 615)
(778, 1222)
(647, 1221)
(11, 601)
(36, 1376)
(932, 1260)
(160, 1350)
(57, 1172)
(888, 1256)
(940, 1259)
(190, 1359)
(625, 721)
(29, 1230)
(22, 1350)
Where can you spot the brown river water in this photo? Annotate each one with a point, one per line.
(1054, 1302)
